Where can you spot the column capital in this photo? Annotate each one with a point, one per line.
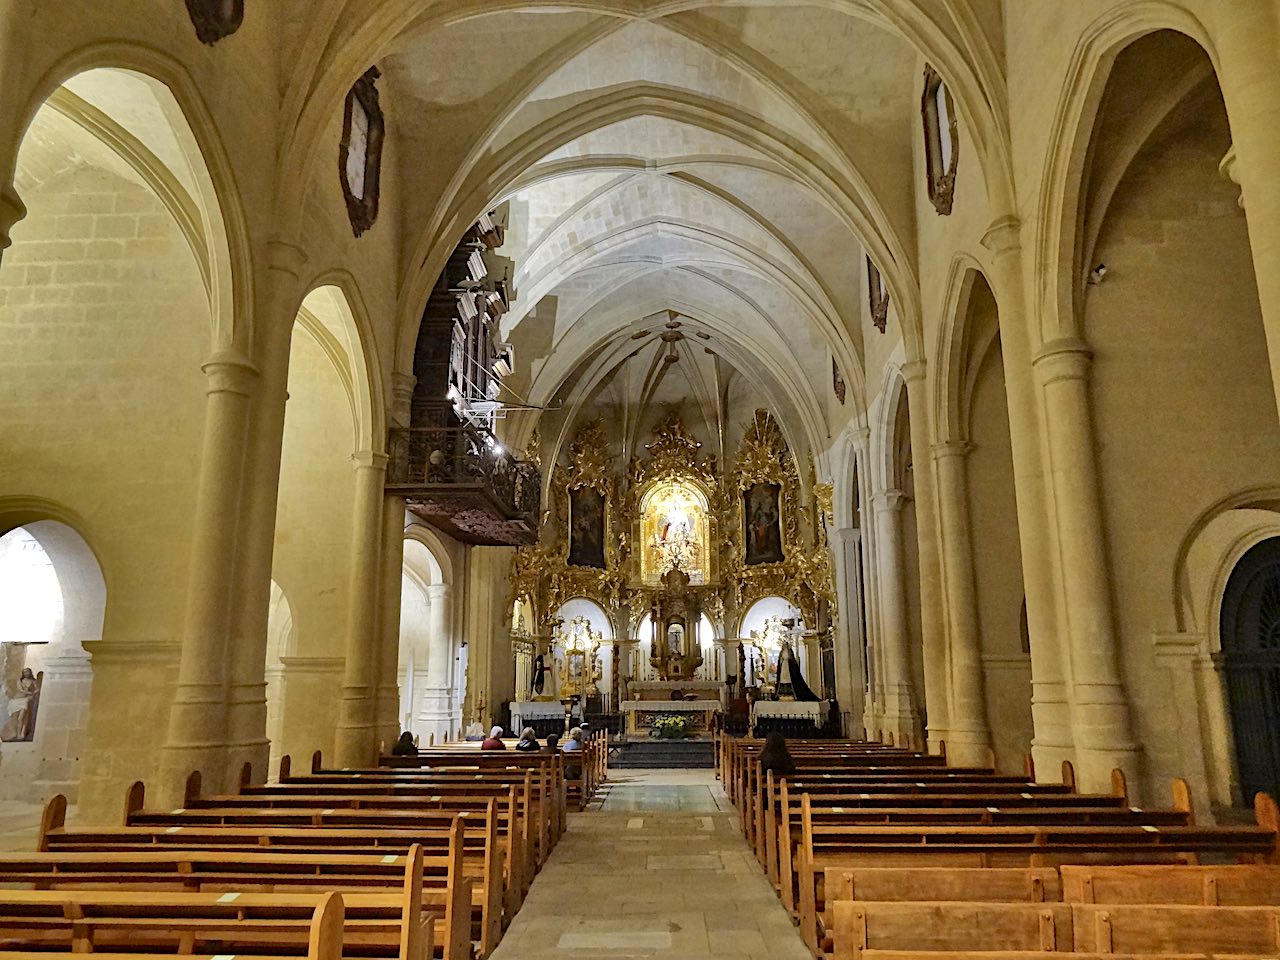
(437, 591)
(844, 535)
(402, 386)
(229, 371)
(369, 460)
(286, 256)
(913, 371)
(1066, 358)
(1003, 236)
(1230, 172)
(888, 501)
(12, 209)
(950, 448)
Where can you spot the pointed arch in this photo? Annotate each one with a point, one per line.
(181, 109)
(1058, 241)
(334, 313)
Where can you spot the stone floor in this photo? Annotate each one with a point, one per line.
(657, 868)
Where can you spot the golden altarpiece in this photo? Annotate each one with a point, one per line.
(673, 551)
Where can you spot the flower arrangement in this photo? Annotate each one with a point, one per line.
(673, 726)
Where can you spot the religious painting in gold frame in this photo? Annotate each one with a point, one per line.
(587, 515)
(762, 516)
(675, 532)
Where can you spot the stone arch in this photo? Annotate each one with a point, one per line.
(51, 759)
(1214, 545)
(431, 693)
(215, 198)
(1057, 243)
(951, 387)
(1151, 144)
(130, 259)
(973, 418)
(280, 645)
(346, 320)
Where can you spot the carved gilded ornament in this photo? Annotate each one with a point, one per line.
(543, 575)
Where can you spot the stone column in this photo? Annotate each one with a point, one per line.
(436, 714)
(1099, 707)
(1050, 710)
(626, 657)
(247, 709)
(1246, 36)
(850, 627)
(355, 737)
(197, 734)
(387, 715)
(898, 714)
(970, 734)
(932, 621)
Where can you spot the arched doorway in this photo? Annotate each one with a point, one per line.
(52, 602)
(1250, 665)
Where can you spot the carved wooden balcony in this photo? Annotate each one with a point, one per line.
(460, 481)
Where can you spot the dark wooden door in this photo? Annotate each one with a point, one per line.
(1250, 664)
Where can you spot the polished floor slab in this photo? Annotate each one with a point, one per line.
(656, 869)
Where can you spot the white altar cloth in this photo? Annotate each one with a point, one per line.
(522, 711)
(814, 711)
(671, 706)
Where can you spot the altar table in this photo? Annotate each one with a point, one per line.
(815, 711)
(641, 714)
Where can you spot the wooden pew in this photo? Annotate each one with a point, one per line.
(458, 766)
(314, 927)
(513, 819)
(444, 894)
(1127, 928)
(966, 845)
(1238, 885)
(473, 834)
(921, 928)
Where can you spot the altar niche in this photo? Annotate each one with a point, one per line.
(676, 650)
(675, 532)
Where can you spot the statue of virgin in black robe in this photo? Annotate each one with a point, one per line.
(791, 683)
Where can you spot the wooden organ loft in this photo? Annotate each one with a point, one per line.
(448, 464)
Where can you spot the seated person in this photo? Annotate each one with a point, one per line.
(475, 731)
(404, 747)
(776, 757)
(528, 740)
(494, 740)
(574, 744)
(553, 743)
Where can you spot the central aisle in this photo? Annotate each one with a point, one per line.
(658, 869)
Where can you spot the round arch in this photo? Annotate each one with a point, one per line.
(46, 679)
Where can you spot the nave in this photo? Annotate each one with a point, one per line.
(655, 868)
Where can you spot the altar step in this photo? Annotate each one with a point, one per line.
(665, 754)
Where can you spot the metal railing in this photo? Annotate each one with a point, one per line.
(463, 457)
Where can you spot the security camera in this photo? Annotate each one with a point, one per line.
(1097, 274)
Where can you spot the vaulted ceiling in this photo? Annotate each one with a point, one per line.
(728, 164)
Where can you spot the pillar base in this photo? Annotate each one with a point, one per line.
(969, 747)
(177, 762)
